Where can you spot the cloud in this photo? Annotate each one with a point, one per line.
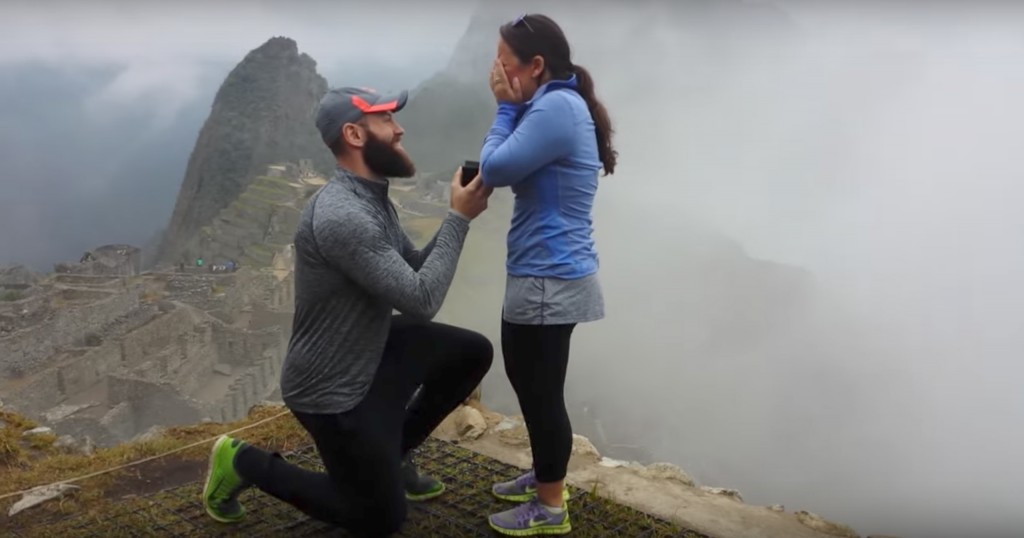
(160, 89)
(161, 51)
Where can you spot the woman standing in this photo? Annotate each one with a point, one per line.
(549, 140)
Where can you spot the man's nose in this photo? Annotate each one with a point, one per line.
(399, 131)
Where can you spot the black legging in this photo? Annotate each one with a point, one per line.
(362, 449)
(536, 359)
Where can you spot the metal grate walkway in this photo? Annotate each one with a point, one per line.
(460, 511)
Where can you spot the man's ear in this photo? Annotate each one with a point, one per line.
(353, 135)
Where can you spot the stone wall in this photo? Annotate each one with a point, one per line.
(35, 396)
(27, 350)
(254, 385)
(201, 290)
(153, 404)
(282, 295)
(24, 313)
(160, 333)
(240, 348)
(102, 435)
(265, 319)
(88, 369)
(92, 281)
(165, 340)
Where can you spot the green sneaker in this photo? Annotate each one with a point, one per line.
(223, 484)
(419, 487)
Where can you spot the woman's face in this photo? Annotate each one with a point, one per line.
(529, 74)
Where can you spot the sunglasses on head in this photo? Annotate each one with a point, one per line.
(521, 21)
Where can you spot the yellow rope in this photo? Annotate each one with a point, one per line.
(144, 460)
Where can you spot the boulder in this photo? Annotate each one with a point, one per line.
(41, 430)
(581, 446)
(70, 445)
(667, 471)
(40, 495)
(821, 524)
(469, 423)
(725, 492)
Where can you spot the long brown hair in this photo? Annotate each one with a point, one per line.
(538, 35)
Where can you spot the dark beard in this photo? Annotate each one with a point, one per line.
(384, 160)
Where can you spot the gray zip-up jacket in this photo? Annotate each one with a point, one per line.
(353, 265)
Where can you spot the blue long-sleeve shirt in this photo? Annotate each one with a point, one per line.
(546, 151)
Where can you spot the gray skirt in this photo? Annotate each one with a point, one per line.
(552, 301)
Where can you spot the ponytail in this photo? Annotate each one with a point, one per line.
(602, 122)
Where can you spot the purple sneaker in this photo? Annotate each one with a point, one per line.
(531, 519)
(521, 489)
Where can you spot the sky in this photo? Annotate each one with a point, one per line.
(866, 150)
(102, 101)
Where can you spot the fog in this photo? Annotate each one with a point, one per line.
(875, 147)
(810, 251)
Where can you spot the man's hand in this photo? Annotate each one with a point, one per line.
(505, 90)
(470, 200)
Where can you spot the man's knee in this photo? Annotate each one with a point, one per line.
(479, 350)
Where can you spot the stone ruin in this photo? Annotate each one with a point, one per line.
(108, 260)
(104, 351)
(110, 357)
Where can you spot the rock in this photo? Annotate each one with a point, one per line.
(516, 436)
(40, 495)
(70, 445)
(152, 433)
(469, 423)
(222, 369)
(41, 430)
(613, 464)
(820, 524)
(63, 411)
(667, 471)
(165, 306)
(777, 508)
(88, 448)
(725, 492)
(506, 423)
(17, 277)
(65, 443)
(581, 446)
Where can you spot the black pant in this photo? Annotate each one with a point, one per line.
(362, 449)
(536, 359)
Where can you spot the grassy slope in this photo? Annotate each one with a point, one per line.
(22, 468)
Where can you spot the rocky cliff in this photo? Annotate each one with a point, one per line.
(262, 114)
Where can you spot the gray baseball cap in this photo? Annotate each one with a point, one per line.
(346, 105)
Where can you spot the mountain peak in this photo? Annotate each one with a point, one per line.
(262, 114)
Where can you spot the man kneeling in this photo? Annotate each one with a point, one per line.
(352, 367)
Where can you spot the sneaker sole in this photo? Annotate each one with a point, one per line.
(524, 497)
(209, 478)
(564, 528)
(425, 496)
